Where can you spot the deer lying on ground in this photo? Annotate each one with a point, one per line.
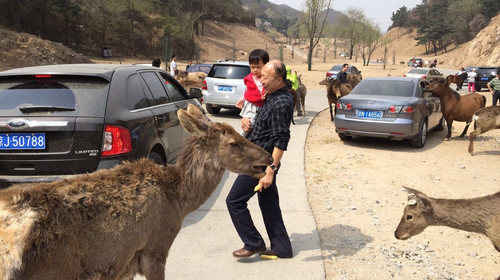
(485, 119)
(481, 215)
(456, 107)
(114, 224)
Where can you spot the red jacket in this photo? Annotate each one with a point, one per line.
(252, 94)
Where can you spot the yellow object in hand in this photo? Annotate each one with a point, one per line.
(268, 257)
(256, 188)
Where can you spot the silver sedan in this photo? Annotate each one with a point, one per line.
(424, 73)
(394, 108)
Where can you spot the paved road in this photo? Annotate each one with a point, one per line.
(203, 249)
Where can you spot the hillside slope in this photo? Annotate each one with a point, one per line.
(22, 49)
(484, 49)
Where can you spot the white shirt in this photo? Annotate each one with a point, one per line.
(471, 77)
(173, 66)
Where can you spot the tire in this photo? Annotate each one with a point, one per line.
(212, 110)
(440, 126)
(419, 141)
(344, 137)
(156, 158)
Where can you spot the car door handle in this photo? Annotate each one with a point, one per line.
(160, 118)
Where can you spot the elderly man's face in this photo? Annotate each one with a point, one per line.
(269, 80)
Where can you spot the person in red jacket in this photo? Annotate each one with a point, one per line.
(253, 98)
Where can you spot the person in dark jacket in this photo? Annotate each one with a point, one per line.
(342, 76)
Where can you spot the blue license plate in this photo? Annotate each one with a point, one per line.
(22, 141)
(226, 88)
(484, 78)
(367, 114)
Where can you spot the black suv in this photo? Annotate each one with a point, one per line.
(484, 75)
(62, 120)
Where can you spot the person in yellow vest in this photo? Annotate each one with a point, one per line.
(294, 85)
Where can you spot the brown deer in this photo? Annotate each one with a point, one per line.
(456, 107)
(335, 90)
(114, 224)
(485, 120)
(481, 215)
(457, 80)
(302, 91)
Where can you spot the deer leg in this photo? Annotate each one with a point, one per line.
(473, 135)
(449, 124)
(465, 129)
(331, 112)
(303, 101)
(153, 268)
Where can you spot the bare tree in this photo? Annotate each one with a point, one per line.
(369, 39)
(314, 18)
(350, 27)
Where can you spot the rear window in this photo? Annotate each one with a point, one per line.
(199, 68)
(222, 71)
(59, 95)
(336, 68)
(418, 71)
(384, 88)
(488, 71)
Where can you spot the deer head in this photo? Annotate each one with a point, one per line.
(437, 86)
(417, 215)
(228, 149)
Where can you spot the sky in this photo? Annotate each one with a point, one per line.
(378, 11)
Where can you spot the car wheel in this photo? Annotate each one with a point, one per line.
(440, 126)
(213, 110)
(419, 141)
(156, 158)
(344, 137)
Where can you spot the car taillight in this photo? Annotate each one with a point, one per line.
(204, 86)
(395, 109)
(404, 75)
(328, 74)
(116, 141)
(343, 106)
(424, 77)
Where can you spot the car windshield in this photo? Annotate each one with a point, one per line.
(75, 95)
(336, 68)
(384, 88)
(229, 71)
(417, 71)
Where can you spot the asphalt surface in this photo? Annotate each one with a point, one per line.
(203, 248)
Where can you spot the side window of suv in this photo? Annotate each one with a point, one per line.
(173, 92)
(136, 99)
(155, 86)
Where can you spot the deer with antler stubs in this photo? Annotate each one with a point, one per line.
(481, 215)
(114, 224)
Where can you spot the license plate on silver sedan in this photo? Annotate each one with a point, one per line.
(367, 114)
(22, 141)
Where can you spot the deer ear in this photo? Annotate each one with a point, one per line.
(192, 123)
(425, 204)
(414, 191)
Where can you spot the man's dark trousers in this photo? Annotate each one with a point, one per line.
(241, 192)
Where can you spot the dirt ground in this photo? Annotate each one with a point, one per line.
(357, 196)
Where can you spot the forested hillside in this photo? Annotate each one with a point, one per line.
(129, 27)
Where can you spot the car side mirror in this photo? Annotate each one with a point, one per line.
(195, 93)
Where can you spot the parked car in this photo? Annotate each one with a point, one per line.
(334, 71)
(484, 75)
(61, 120)
(344, 54)
(394, 108)
(205, 68)
(224, 86)
(416, 62)
(424, 73)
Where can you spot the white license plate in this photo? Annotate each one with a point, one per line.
(367, 114)
(226, 88)
(22, 141)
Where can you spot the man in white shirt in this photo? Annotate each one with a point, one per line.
(173, 66)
